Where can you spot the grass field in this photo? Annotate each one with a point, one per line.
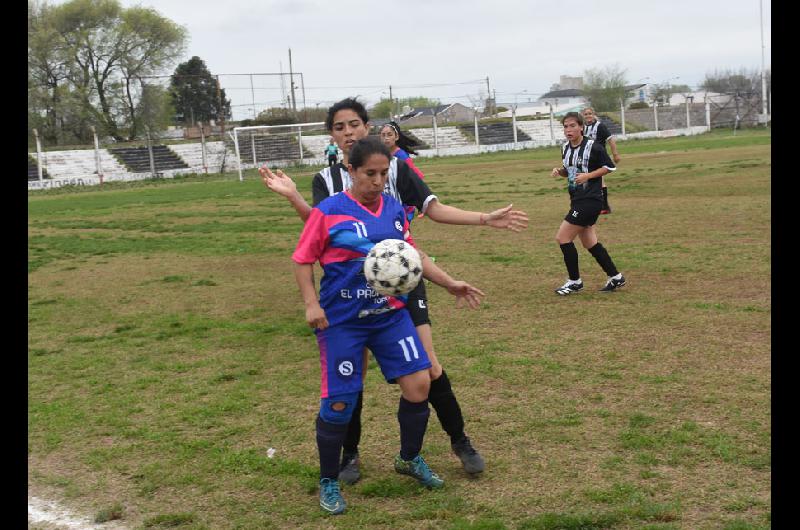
(167, 353)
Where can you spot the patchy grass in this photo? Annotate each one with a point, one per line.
(167, 353)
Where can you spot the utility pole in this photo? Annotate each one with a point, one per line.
(291, 81)
(305, 112)
(763, 76)
(488, 97)
(391, 103)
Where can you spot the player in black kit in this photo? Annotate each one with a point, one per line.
(584, 162)
(595, 130)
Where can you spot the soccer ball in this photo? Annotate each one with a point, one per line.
(393, 267)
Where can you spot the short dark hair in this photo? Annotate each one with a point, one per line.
(575, 115)
(347, 103)
(366, 147)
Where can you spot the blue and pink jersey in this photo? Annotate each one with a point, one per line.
(339, 233)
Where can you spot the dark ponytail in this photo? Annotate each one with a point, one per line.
(404, 142)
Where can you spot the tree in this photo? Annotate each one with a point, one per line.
(604, 87)
(95, 54)
(194, 93)
(744, 82)
(662, 92)
(386, 108)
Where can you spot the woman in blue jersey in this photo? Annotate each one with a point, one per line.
(349, 316)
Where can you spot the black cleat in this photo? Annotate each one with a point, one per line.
(470, 458)
(613, 285)
(569, 288)
(349, 472)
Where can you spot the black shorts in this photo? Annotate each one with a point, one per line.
(332, 159)
(584, 213)
(418, 304)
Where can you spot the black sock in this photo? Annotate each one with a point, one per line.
(329, 445)
(601, 255)
(353, 436)
(445, 404)
(605, 198)
(413, 419)
(571, 260)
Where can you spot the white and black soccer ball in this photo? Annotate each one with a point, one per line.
(393, 267)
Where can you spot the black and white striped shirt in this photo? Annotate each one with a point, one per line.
(403, 184)
(585, 158)
(597, 131)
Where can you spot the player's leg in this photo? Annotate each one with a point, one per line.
(606, 208)
(441, 394)
(340, 383)
(565, 237)
(402, 358)
(349, 469)
(600, 254)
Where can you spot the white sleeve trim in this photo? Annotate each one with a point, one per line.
(610, 168)
(427, 202)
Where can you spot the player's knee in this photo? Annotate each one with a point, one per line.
(338, 409)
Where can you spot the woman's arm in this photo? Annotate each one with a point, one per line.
(282, 184)
(463, 291)
(315, 315)
(580, 178)
(514, 220)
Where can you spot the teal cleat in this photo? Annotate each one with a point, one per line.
(330, 498)
(418, 468)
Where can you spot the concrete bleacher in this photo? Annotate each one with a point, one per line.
(33, 170)
(137, 159)
(269, 148)
(78, 163)
(447, 137)
(192, 155)
(494, 133)
(315, 145)
(613, 127)
(539, 130)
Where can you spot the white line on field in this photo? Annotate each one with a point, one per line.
(44, 511)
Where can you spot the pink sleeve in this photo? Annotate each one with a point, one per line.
(410, 162)
(313, 240)
(407, 233)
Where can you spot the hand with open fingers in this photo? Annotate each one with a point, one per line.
(581, 178)
(514, 220)
(315, 317)
(556, 172)
(279, 182)
(465, 293)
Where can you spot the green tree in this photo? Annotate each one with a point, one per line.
(744, 82)
(386, 108)
(604, 87)
(94, 54)
(154, 108)
(194, 93)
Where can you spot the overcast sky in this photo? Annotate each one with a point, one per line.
(350, 47)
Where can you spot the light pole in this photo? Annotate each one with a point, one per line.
(763, 76)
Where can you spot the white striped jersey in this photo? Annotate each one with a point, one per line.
(597, 131)
(403, 184)
(585, 158)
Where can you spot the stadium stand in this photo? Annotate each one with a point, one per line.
(315, 144)
(192, 155)
(539, 130)
(494, 133)
(613, 127)
(448, 137)
(79, 163)
(33, 170)
(137, 159)
(272, 148)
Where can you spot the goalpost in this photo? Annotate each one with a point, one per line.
(280, 145)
